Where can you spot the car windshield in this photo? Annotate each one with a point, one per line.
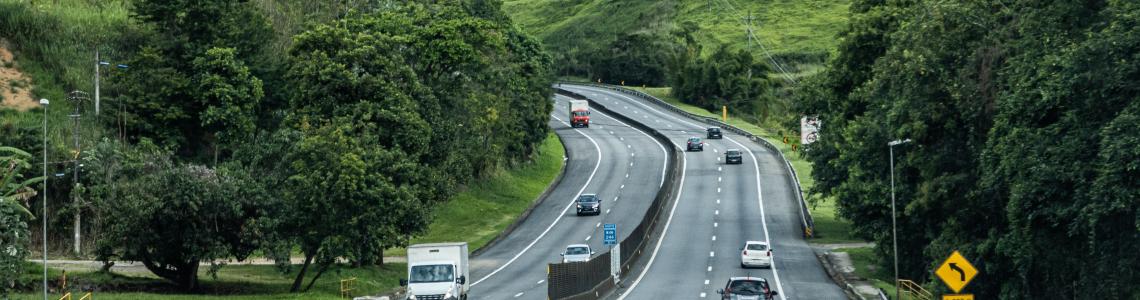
(588, 198)
(746, 287)
(577, 250)
(694, 140)
(757, 247)
(714, 130)
(432, 273)
(579, 114)
(732, 152)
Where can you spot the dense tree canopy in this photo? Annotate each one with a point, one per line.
(1023, 117)
(724, 79)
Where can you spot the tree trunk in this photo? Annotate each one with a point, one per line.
(320, 271)
(301, 274)
(380, 257)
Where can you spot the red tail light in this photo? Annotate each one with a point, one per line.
(745, 252)
(769, 253)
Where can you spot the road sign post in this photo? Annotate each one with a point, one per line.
(609, 238)
(956, 272)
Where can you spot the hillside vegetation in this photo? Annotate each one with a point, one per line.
(799, 34)
(332, 129)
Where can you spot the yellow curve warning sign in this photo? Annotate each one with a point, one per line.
(956, 271)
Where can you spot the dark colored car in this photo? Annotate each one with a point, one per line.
(733, 156)
(589, 204)
(742, 288)
(695, 144)
(714, 133)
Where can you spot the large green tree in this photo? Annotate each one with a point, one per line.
(725, 78)
(1019, 113)
(172, 217)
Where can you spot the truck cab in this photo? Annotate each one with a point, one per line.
(437, 271)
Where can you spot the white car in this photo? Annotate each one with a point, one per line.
(577, 253)
(755, 254)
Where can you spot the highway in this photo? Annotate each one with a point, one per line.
(621, 164)
(718, 209)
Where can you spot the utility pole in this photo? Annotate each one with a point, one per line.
(97, 61)
(76, 97)
(749, 19)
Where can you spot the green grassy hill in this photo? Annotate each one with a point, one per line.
(797, 33)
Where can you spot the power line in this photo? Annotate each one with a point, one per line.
(752, 37)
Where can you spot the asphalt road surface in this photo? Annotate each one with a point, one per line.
(621, 164)
(718, 209)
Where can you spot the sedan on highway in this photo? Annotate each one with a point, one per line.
(746, 288)
(714, 133)
(577, 253)
(695, 144)
(755, 254)
(733, 156)
(589, 204)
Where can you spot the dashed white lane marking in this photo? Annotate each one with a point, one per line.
(628, 146)
(702, 295)
(587, 237)
(616, 199)
(544, 280)
(626, 107)
(669, 125)
(719, 169)
(626, 175)
(717, 189)
(714, 224)
(718, 159)
(622, 187)
(564, 210)
(712, 254)
(714, 150)
(716, 212)
(706, 281)
(598, 225)
(621, 138)
(714, 237)
(631, 164)
(518, 295)
(607, 211)
(719, 179)
(717, 201)
(633, 154)
(710, 269)
(611, 132)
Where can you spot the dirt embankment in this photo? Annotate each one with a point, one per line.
(15, 88)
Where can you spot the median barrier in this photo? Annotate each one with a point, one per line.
(807, 222)
(592, 280)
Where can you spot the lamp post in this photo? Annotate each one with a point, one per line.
(894, 223)
(43, 215)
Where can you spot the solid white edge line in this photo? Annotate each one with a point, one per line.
(664, 162)
(571, 204)
(664, 232)
(759, 193)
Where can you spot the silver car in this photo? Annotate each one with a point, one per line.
(577, 253)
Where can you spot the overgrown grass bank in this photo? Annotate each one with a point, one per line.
(867, 266)
(829, 227)
(487, 207)
(232, 282)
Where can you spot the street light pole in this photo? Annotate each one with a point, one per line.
(43, 214)
(894, 223)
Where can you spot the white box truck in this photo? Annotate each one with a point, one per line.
(437, 271)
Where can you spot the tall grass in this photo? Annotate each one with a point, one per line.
(54, 43)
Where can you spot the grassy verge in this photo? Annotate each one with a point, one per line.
(830, 228)
(487, 207)
(867, 266)
(232, 282)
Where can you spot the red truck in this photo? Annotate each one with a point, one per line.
(579, 113)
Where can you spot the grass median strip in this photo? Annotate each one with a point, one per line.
(481, 212)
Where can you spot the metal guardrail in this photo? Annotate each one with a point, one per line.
(592, 280)
(914, 290)
(807, 222)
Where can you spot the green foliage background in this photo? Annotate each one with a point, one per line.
(1019, 115)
